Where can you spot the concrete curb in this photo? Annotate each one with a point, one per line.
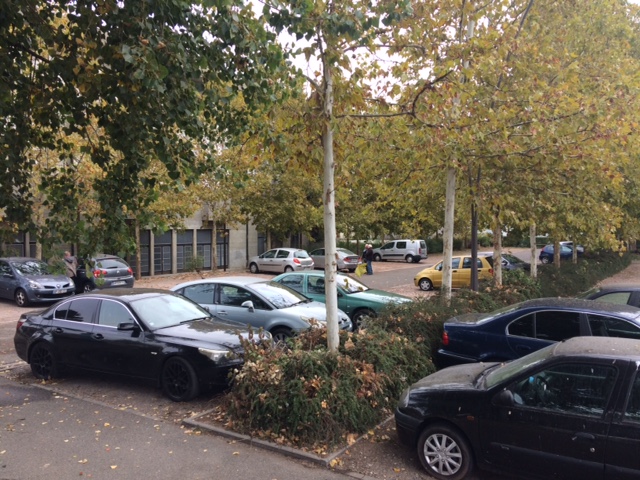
(274, 447)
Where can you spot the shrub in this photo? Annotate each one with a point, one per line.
(306, 396)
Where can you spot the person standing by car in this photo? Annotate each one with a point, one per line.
(367, 256)
(72, 265)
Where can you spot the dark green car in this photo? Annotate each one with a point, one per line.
(354, 297)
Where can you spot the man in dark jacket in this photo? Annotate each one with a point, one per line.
(367, 256)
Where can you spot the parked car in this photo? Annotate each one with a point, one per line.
(354, 297)
(281, 260)
(580, 248)
(402, 250)
(546, 253)
(262, 304)
(617, 294)
(569, 411)
(431, 277)
(346, 259)
(524, 327)
(509, 261)
(103, 271)
(29, 280)
(150, 334)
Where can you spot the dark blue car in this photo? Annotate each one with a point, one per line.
(525, 327)
(546, 254)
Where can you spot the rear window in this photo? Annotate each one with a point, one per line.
(107, 263)
(300, 254)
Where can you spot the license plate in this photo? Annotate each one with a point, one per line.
(59, 292)
(121, 282)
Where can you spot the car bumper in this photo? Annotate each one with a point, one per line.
(48, 295)
(447, 359)
(407, 427)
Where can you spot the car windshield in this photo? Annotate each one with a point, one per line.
(350, 285)
(31, 267)
(162, 311)
(279, 295)
(514, 367)
(485, 317)
(511, 258)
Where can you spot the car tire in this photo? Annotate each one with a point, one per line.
(179, 380)
(425, 284)
(87, 287)
(20, 297)
(377, 257)
(43, 361)
(409, 259)
(281, 334)
(544, 260)
(288, 269)
(445, 453)
(360, 316)
(253, 268)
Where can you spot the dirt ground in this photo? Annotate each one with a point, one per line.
(377, 454)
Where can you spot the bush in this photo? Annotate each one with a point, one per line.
(306, 396)
(434, 245)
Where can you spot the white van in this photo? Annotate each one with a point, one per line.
(401, 250)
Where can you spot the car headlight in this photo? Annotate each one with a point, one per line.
(404, 398)
(33, 284)
(215, 355)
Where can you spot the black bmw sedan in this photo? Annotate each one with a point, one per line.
(568, 411)
(150, 334)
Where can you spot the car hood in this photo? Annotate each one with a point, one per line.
(316, 310)
(208, 333)
(49, 279)
(380, 296)
(456, 377)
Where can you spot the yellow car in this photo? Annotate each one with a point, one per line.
(431, 277)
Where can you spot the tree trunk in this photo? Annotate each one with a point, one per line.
(532, 243)
(447, 236)
(497, 248)
(328, 199)
(136, 230)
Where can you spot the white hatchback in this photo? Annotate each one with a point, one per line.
(281, 260)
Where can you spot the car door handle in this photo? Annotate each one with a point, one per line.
(98, 336)
(58, 330)
(583, 437)
(221, 312)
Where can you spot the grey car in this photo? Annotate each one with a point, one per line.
(346, 259)
(279, 260)
(103, 271)
(29, 280)
(262, 304)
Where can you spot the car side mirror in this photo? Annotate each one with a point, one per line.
(249, 305)
(128, 326)
(504, 399)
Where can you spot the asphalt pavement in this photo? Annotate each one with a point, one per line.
(45, 435)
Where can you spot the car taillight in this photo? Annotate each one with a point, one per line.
(296, 261)
(130, 271)
(491, 271)
(20, 323)
(445, 339)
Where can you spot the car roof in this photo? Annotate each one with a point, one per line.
(621, 287)
(237, 280)
(126, 294)
(581, 304)
(599, 346)
(21, 259)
